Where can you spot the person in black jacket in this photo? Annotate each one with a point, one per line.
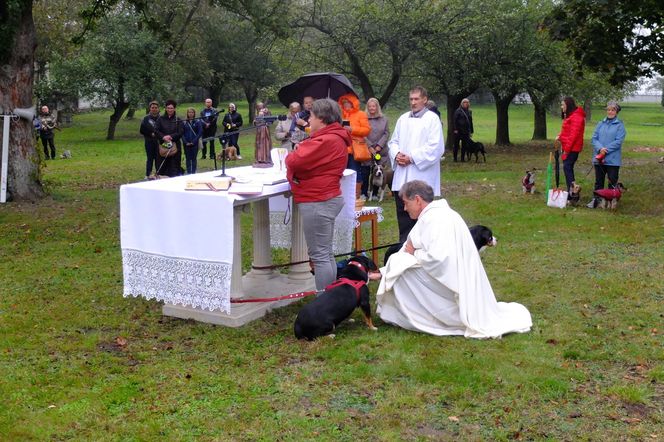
(463, 128)
(169, 131)
(149, 131)
(232, 123)
(209, 117)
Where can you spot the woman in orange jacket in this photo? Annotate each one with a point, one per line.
(571, 136)
(359, 128)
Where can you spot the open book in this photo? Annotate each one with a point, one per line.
(215, 185)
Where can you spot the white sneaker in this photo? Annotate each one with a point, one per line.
(239, 157)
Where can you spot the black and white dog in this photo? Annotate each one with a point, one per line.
(321, 316)
(482, 237)
(476, 148)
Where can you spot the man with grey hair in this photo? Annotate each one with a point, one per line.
(436, 283)
(209, 119)
(416, 148)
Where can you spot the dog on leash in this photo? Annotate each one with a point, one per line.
(380, 180)
(321, 316)
(229, 151)
(528, 182)
(482, 237)
(476, 148)
(574, 194)
(608, 198)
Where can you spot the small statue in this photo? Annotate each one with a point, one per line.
(263, 139)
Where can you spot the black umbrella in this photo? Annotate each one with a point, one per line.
(317, 85)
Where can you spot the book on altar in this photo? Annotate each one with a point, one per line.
(246, 189)
(216, 185)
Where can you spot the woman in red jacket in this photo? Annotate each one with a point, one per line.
(571, 136)
(314, 171)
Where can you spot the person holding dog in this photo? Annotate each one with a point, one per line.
(463, 128)
(47, 125)
(314, 171)
(607, 143)
(376, 140)
(232, 123)
(415, 150)
(282, 131)
(571, 136)
(169, 131)
(436, 283)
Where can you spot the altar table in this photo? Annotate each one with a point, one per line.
(184, 247)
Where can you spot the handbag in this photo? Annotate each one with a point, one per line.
(360, 150)
(557, 198)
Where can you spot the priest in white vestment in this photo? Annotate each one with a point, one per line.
(436, 283)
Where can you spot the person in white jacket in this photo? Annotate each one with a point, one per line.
(416, 148)
(436, 283)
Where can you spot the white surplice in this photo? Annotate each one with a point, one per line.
(443, 289)
(422, 140)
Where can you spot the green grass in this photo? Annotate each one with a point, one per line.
(590, 369)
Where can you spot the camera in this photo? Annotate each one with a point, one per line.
(345, 123)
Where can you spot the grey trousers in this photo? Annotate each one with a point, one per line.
(318, 223)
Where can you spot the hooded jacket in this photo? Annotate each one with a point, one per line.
(359, 122)
(571, 132)
(315, 168)
(609, 133)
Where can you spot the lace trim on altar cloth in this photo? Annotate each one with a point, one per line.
(188, 282)
(280, 233)
(368, 211)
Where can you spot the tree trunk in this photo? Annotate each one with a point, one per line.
(115, 117)
(588, 108)
(16, 80)
(131, 113)
(251, 93)
(502, 120)
(539, 132)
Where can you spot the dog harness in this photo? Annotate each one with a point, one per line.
(357, 285)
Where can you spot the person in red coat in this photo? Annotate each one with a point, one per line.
(571, 136)
(314, 170)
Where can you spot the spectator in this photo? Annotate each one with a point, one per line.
(377, 141)
(607, 149)
(431, 105)
(359, 128)
(282, 131)
(48, 124)
(149, 131)
(193, 130)
(169, 132)
(209, 116)
(463, 128)
(415, 150)
(314, 171)
(232, 124)
(300, 127)
(571, 136)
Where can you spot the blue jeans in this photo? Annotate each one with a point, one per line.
(318, 221)
(190, 154)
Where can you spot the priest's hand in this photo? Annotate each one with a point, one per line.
(408, 247)
(402, 159)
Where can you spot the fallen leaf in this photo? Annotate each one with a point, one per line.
(631, 420)
(121, 341)
(51, 406)
(575, 415)
(453, 418)
(552, 341)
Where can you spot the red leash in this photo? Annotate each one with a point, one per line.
(278, 298)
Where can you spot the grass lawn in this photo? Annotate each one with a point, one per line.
(79, 361)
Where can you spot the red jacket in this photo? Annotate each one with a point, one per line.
(571, 133)
(315, 168)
